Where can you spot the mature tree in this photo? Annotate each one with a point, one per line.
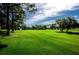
(14, 14)
(4, 9)
(61, 23)
(66, 23)
(17, 14)
(2, 20)
(71, 23)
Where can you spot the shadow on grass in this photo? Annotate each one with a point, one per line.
(61, 32)
(3, 46)
(77, 33)
(2, 32)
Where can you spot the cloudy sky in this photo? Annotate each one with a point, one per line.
(47, 13)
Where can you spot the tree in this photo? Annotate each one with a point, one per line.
(17, 14)
(2, 20)
(14, 14)
(71, 23)
(61, 23)
(66, 23)
(5, 11)
(7, 24)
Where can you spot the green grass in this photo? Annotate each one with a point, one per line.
(40, 42)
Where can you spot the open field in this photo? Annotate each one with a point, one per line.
(40, 42)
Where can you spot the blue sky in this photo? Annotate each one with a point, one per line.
(48, 13)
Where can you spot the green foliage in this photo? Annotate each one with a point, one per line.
(14, 15)
(67, 23)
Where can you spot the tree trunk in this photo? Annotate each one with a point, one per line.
(13, 23)
(67, 30)
(61, 29)
(7, 24)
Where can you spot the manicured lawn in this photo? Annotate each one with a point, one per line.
(36, 42)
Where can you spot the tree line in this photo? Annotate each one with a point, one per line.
(61, 24)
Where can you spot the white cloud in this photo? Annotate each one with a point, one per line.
(48, 22)
(51, 9)
(75, 16)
